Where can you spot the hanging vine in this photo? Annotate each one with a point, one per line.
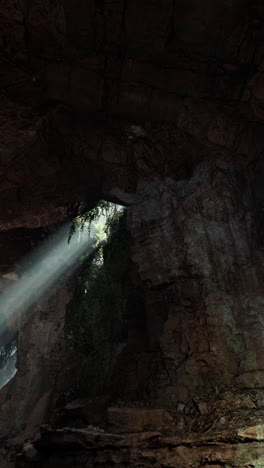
(95, 322)
(84, 221)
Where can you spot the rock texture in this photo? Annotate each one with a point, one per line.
(26, 400)
(79, 448)
(158, 106)
(71, 80)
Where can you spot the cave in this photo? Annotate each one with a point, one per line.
(8, 361)
(140, 343)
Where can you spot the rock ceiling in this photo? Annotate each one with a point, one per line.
(76, 74)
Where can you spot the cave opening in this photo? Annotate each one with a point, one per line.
(58, 253)
(138, 347)
(57, 256)
(96, 322)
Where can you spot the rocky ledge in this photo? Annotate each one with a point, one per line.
(87, 448)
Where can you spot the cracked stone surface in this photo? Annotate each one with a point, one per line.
(157, 105)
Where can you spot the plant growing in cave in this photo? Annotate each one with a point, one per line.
(95, 318)
(101, 209)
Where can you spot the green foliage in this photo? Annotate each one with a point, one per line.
(95, 320)
(103, 208)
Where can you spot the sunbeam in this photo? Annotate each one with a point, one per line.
(47, 264)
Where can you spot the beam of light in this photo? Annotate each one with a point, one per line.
(53, 260)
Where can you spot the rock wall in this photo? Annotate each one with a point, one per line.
(191, 388)
(192, 367)
(159, 106)
(196, 248)
(26, 400)
(191, 371)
